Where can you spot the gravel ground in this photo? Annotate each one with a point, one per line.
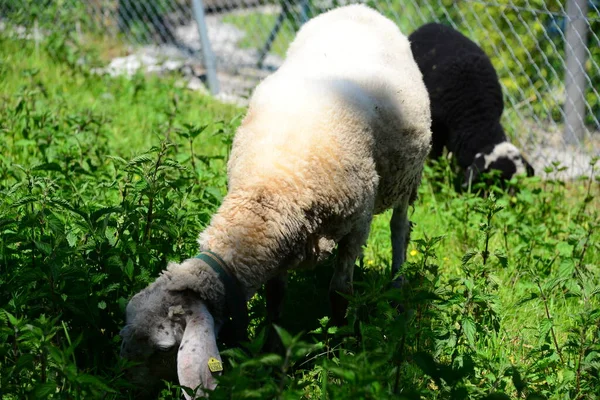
(237, 73)
(545, 146)
(576, 161)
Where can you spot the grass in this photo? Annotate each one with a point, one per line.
(103, 180)
(138, 108)
(257, 27)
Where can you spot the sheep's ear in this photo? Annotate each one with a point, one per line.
(198, 346)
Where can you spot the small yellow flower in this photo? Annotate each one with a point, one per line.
(370, 262)
(413, 252)
(446, 258)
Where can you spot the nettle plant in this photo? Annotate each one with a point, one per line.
(543, 242)
(561, 264)
(500, 297)
(81, 229)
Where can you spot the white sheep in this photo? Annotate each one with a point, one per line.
(339, 133)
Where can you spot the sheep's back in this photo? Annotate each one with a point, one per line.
(305, 138)
(346, 116)
(435, 43)
(357, 44)
(464, 90)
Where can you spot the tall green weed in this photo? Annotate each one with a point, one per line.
(103, 180)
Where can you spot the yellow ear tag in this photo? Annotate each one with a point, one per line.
(214, 365)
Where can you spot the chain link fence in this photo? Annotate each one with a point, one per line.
(546, 52)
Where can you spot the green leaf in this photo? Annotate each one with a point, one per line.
(325, 321)
(139, 160)
(52, 166)
(72, 239)
(470, 330)
(214, 192)
(175, 165)
(567, 375)
(544, 328)
(111, 235)
(592, 357)
(566, 269)
(564, 249)
(344, 374)
(285, 337)
(104, 211)
(43, 247)
(502, 258)
(271, 359)
(25, 200)
(44, 390)
(118, 159)
(129, 268)
(468, 256)
(11, 318)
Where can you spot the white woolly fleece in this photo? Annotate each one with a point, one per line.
(338, 133)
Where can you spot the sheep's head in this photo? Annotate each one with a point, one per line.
(170, 331)
(503, 157)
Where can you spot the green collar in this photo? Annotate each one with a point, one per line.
(236, 314)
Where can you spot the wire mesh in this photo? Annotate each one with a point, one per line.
(528, 41)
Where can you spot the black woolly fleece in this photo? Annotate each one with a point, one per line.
(465, 94)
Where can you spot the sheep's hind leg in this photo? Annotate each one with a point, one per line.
(349, 249)
(275, 289)
(400, 233)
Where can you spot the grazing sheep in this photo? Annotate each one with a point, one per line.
(466, 103)
(340, 132)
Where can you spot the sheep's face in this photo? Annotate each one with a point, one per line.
(151, 337)
(169, 335)
(503, 157)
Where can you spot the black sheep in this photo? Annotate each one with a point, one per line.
(466, 103)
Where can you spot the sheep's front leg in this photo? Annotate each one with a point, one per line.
(349, 249)
(400, 232)
(275, 289)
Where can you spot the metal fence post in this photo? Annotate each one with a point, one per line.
(208, 57)
(286, 11)
(576, 55)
